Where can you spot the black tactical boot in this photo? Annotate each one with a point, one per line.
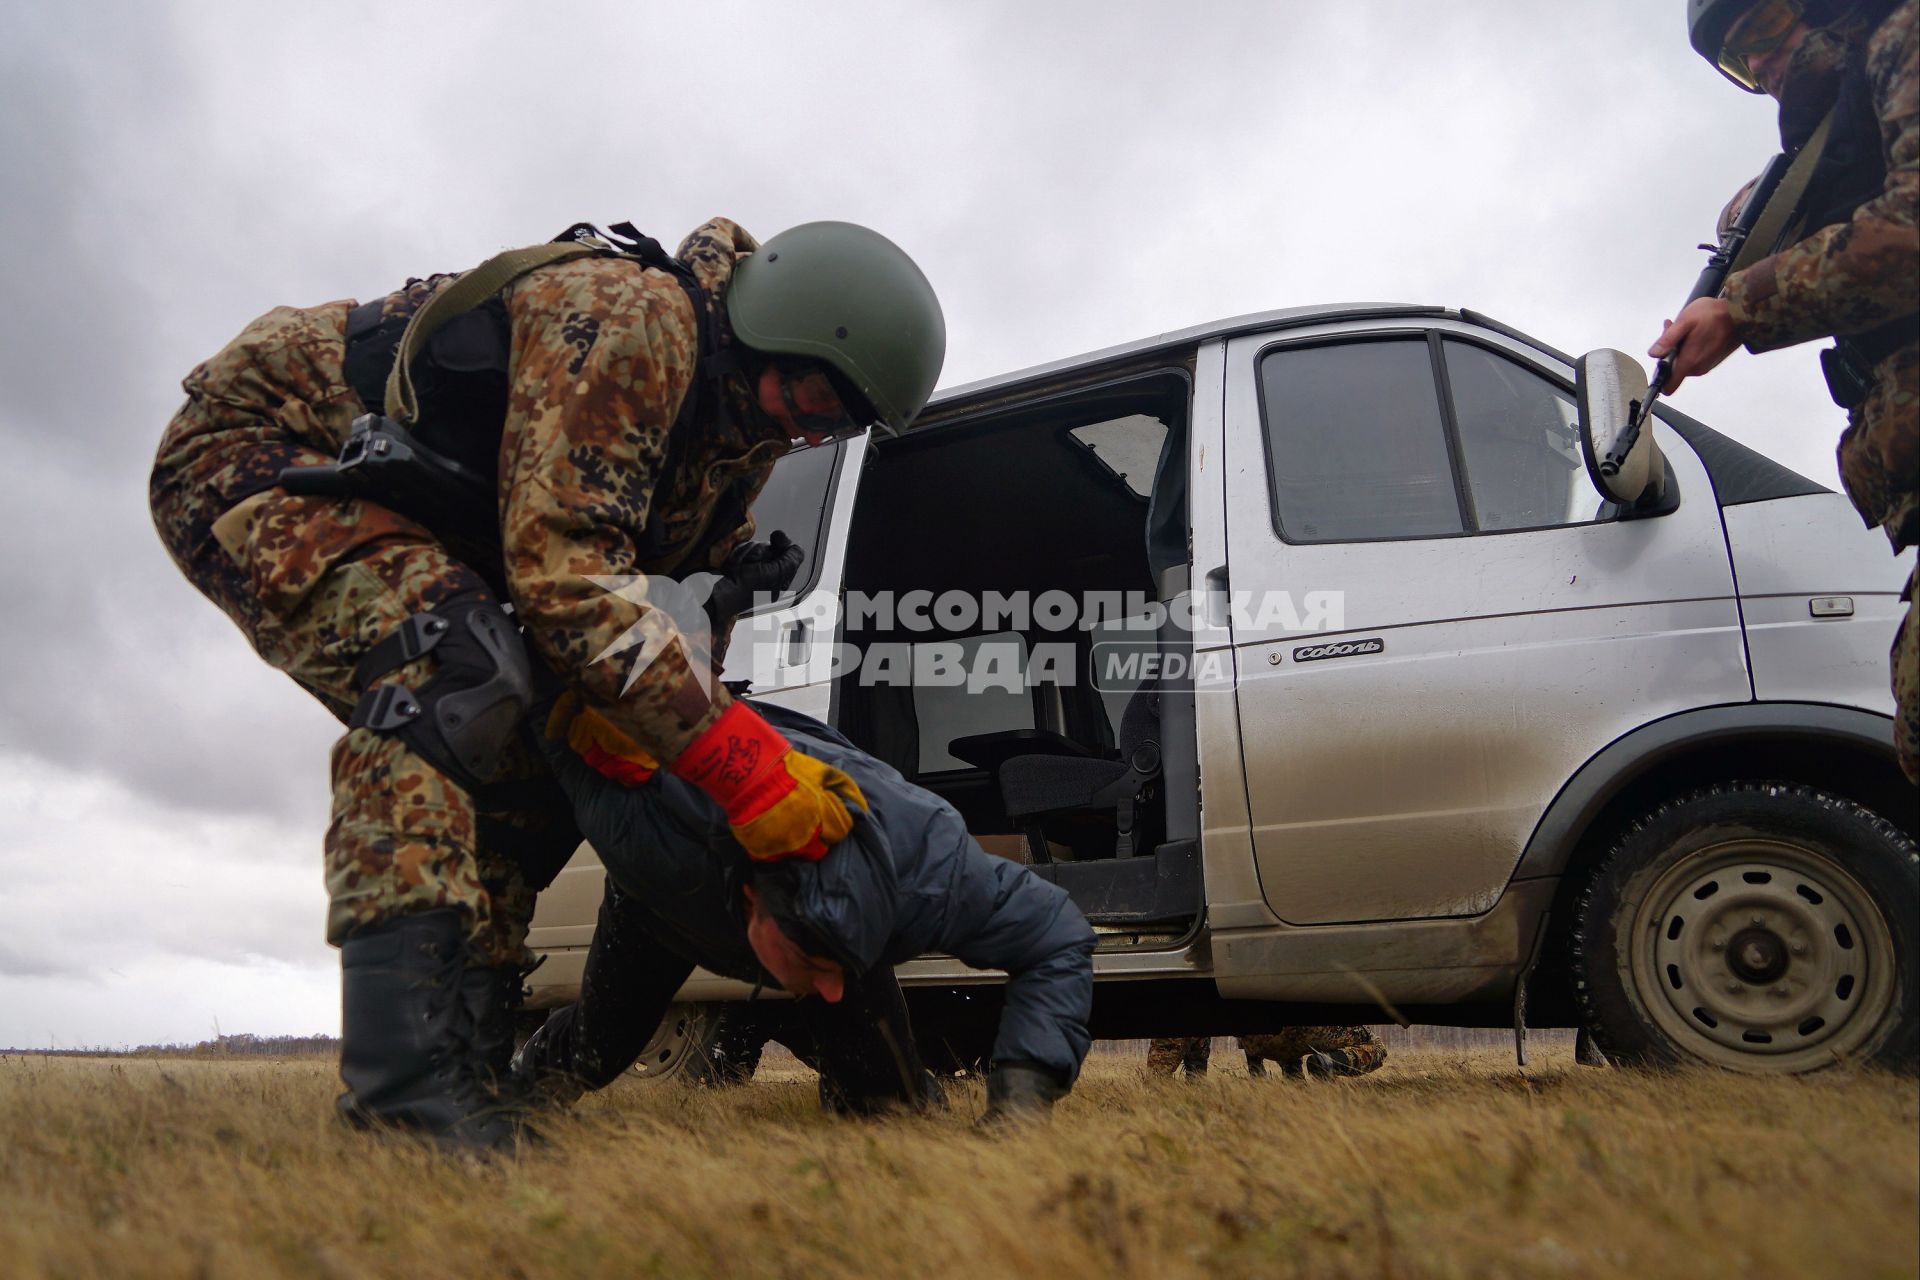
(492, 998)
(408, 1035)
(1018, 1092)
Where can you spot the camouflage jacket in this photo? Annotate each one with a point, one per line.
(603, 353)
(1861, 273)
(1855, 276)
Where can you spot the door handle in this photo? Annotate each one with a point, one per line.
(796, 654)
(1217, 596)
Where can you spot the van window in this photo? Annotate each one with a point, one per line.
(949, 711)
(1129, 448)
(795, 500)
(1417, 438)
(1520, 439)
(1356, 446)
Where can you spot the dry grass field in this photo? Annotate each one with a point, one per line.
(1445, 1163)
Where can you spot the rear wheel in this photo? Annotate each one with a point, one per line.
(1760, 927)
(715, 1044)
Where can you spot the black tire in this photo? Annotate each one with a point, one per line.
(704, 1044)
(1756, 926)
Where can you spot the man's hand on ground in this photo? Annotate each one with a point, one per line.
(1020, 1093)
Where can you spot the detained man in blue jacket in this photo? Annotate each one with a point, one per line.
(681, 893)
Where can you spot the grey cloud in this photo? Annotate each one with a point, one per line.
(114, 665)
(18, 964)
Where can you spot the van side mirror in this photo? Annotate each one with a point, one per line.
(1608, 389)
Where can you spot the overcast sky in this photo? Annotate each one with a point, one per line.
(1069, 175)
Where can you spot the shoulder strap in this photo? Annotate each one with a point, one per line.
(1781, 209)
(464, 294)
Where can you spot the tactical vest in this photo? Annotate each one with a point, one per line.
(1851, 171)
(459, 379)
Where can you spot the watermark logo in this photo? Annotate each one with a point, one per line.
(1013, 642)
(960, 612)
(670, 614)
(1121, 667)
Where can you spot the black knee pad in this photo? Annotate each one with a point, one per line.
(465, 716)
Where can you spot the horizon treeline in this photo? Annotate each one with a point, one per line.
(243, 1045)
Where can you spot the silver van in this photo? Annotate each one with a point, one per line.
(1304, 651)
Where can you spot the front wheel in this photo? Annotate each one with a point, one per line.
(714, 1044)
(1760, 927)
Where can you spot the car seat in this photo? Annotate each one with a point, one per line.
(1035, 786)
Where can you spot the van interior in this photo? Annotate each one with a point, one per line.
(1062, 730)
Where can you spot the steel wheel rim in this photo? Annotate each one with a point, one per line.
(1762, 955)
(669, 1044)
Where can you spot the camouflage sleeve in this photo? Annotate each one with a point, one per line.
(1858, 274)
(603, 353)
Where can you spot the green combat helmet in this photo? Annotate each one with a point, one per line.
(1710, 22)
(850, 298)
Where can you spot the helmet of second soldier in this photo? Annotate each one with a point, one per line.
(1763, 25)
(852, 299)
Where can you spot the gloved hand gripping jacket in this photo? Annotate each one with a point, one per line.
(780, 803)
(756, 569)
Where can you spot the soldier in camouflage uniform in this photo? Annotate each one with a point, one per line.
(1297, 1051)
(620, 410)
(1850, 269)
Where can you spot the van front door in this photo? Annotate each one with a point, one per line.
(1434, 621)
(785, 648)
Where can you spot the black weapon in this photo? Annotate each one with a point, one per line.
(1713, 278)
(385, 463)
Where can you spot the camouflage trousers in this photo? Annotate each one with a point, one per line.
(1359, 1050)
(314, 583)
(1879, 459)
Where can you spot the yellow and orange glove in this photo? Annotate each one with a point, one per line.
(781, 803)
(594, 738)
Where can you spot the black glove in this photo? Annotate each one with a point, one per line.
(1019, 1092)
(757, 567)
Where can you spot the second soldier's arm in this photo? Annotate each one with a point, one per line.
(1858, 274)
